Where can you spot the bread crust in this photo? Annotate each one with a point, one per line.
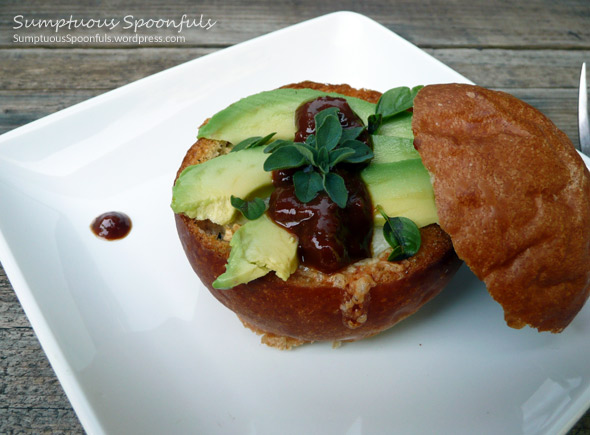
(514, 196)
(359, 301)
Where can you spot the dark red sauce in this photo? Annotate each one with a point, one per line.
(113, 225)
(330, 237)
(305, 122)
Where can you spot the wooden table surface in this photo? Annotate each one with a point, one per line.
(531, 49)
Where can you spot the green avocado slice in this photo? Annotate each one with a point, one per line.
(387, 149)
(204, 191)
(401, 188)
(257, 248)
(399, 126)
(267, 112)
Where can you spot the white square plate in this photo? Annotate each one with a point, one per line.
(140, 346)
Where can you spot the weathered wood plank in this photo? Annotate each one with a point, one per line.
(11, 313)
(582, 427)
(39, 421)
(508, 69)
(31, 398)
(43, 69)
(432, 23)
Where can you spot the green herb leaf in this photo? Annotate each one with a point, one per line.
(328, 133)
(392, 103)
(340, 154)
(307, 185)
(250, 209)
(323, 160)
(396, 100)
(322, 115)
(336, 189)
(310, 140)
(351, 134)
(375, 122)
(361, 154)
(403, 236)
(285, 157)
(276, 144)
(307, 151)
(252, 142)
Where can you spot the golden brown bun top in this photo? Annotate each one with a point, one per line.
(514, 196)
(364, 94)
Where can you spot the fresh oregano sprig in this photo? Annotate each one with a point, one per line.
(391, 103)
(318, 155)
(402, 234)
(252, 142)
(250, 209)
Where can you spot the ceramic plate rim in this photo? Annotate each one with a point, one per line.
(46, 336)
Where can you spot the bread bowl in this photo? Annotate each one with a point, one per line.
(356, 302)
(372, 294)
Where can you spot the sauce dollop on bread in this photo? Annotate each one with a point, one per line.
(330, 238)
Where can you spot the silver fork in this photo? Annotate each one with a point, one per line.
(583, 122)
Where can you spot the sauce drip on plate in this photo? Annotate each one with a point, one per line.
(112, 225)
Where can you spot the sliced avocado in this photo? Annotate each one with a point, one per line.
(396, 179)
(267, 112)
(403, 189)
(399, 126)
(257, 248)
(387, 149)
(203, 191)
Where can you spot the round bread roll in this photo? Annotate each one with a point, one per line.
(359, 301)
(514, 195)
